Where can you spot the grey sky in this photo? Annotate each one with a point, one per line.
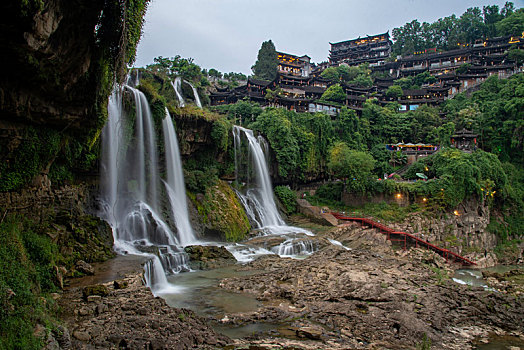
(226, 34)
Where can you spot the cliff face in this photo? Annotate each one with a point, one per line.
(50, 62)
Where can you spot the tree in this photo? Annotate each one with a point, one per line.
(355, 166)
(334, 93)
(409, 38)
(214, 74)
(265, 67)
(394, 92)
(516, 56)
(471, 25)
(405, 83)
(511, 25)
(491, 16)
(331, 74)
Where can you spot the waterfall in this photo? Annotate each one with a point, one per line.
(177, 86)
(258, 198)
(293, 247)
(130, 190)
(175, 187)
(195, 93)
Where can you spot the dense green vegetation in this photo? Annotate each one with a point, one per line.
(27, 263)
(449, 32)
(352, 76)
(287, 197)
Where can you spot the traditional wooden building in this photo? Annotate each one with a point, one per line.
(293, 65)
(464, 140)
(371, 49)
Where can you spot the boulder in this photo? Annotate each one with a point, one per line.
(209, 257)
(98, 289)
(85, 268)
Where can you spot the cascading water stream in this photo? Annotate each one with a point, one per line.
(258, 197)
(195, 93)
(175, 186)
(130, 190)
(177, 86)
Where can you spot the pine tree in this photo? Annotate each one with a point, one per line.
(265, 67)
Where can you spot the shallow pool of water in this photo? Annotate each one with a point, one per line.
(469, 277)
(497, 342)
(199, 291)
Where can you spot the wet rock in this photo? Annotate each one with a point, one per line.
(309, 332)
(120, 284)
(98, 289)
(51, 343)
(94, 298)
(206, 257)
(370, 297)
(85, 268)
(101, 308)
(134, 319)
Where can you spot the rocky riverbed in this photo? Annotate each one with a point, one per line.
(372, 296)
(124, 314)
(366, 295)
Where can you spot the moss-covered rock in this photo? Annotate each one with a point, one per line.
(98, 289)
(222, 213)
(209, 257)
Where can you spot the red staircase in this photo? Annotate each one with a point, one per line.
(405, 238)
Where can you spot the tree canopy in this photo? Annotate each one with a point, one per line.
(265, 67)
(446, 33)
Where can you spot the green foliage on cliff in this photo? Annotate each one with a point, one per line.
(495, 113)
(222, 212)
(27, 262)
(300, 141)
(458, 175)
(354, 166)
(37, 149)
(356, 76)
(287, 197)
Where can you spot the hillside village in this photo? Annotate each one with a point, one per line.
(300, 84)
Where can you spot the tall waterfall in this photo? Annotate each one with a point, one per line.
(177, 86)
(258, 197)
(195, 93)
(130, 189)
(175, 187)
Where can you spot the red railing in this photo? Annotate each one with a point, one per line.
(403, 237)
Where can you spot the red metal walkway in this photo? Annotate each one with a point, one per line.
(405, 238)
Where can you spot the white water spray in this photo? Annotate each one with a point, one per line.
(175, 187)
(130, 190)
(195, 93)
(177, 86)
(258, 198)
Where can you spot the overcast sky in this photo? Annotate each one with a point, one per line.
(227, 34)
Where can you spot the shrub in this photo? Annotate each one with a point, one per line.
(287, 197)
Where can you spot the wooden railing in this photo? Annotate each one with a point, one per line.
(405, 238)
